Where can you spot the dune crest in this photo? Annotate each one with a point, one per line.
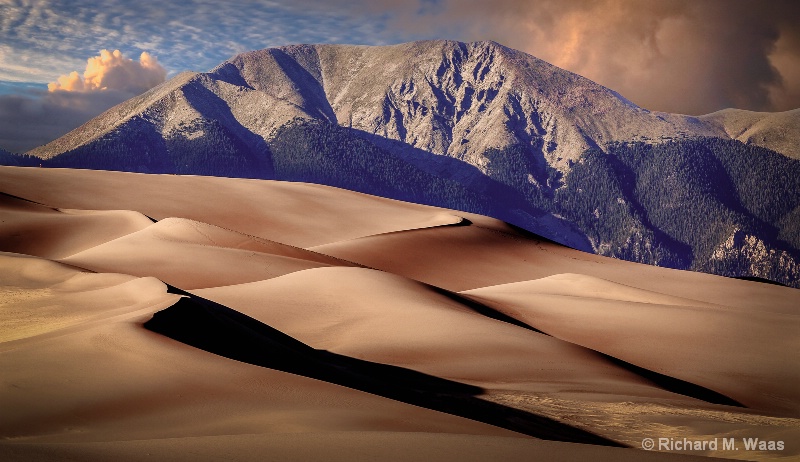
(191, 255)
(40, 296)
(35, 229)
(698, 342)
(288, 318)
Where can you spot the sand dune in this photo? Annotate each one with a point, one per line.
(589, 287)
(385, 318)
(704, 344)
(297, 214)
(301, 354)
(181, 252)
(111, 389)
(111, 379)
(35, 229)
(335, 446)
(190, 255)
(490, 252)
(40, 296)
(220, 330)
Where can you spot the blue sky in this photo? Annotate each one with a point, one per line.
(43, 39)
(689, 56)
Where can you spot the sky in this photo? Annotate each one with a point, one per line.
(65, 61)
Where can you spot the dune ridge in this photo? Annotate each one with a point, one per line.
(670, 338)
(302, 317)
(192, 255)
(221, 330)
(35, 229)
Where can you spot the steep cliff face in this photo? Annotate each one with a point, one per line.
(756, 258)
(478, 127)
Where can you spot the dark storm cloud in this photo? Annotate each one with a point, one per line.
(36, 117)
(678, 56)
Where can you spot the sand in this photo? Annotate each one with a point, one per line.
(192, 318)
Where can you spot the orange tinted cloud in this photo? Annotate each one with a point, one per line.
(679, 56)
(111, 70)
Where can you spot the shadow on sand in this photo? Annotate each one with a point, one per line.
(220, 330)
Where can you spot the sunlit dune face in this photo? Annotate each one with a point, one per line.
(112, 70)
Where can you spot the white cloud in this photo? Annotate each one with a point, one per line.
(111, 70)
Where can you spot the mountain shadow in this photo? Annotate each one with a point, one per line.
(321, 152)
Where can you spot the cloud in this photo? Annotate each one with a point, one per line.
(43, 38)
(683, 56)
(786, 59)
(33, 117)
(36, 117)
(677, 56)
(113, 71)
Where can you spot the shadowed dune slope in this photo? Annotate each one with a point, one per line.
(385, 318)
(190, 255)
(35, 229)
(39, 296)
(709, 345)
(221, 330)
(106, 378)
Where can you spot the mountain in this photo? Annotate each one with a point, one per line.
(477, 127)
(776, 131)
(10, 158)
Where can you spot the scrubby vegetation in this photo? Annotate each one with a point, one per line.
(699, 195)
(18, 160)
(320, 152)
(706, 204)
(204, 148)
(597, 196)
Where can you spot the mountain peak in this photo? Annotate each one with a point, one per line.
(474, 126)
(442, 96)
(453, 98)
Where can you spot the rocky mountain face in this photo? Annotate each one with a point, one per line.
(478, 127)
(446, 98)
